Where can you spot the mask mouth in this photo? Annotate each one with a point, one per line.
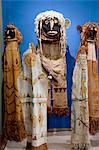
(52, 33)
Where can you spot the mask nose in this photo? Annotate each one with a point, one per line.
(51, 24)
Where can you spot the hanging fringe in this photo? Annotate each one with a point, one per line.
(14, 131)
(3, 142)
(93, 125)
(79, 146)
(59, 111)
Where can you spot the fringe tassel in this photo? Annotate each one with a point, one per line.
(3, 142)
(80, 146)
(59, 111)
(93, 125)
(14, 131)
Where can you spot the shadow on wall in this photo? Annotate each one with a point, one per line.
(64, 122)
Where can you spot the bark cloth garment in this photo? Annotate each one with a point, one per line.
(51, 34)
(85, 90)
(14, 128)
(33, 89)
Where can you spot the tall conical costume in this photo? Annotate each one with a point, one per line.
(85, 90)
(51, 33)
(14, 128)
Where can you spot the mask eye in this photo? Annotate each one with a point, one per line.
(7, 32)
(12, 34)
(46, 22)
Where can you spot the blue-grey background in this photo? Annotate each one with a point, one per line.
(22, 14)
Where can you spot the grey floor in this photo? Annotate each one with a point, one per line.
(56, 141)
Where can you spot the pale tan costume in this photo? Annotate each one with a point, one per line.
(33, 90)
(85, 90)
(93, 78)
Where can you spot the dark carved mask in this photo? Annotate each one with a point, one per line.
(10, 33)
(91, 32)
(51, 28)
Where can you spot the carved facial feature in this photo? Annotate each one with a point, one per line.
(51, 28)
(10, 33)
(91, 32)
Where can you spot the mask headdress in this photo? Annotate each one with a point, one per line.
(12, 33)
(89, 31)
(54, 24)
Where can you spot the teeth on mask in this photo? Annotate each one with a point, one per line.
(8, 32)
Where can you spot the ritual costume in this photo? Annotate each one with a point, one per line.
(51, 33)
(14, 128)
(33, 89)
(44, 77)
(85, 90)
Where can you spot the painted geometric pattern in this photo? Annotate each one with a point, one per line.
(33, 89)
(80, 113)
